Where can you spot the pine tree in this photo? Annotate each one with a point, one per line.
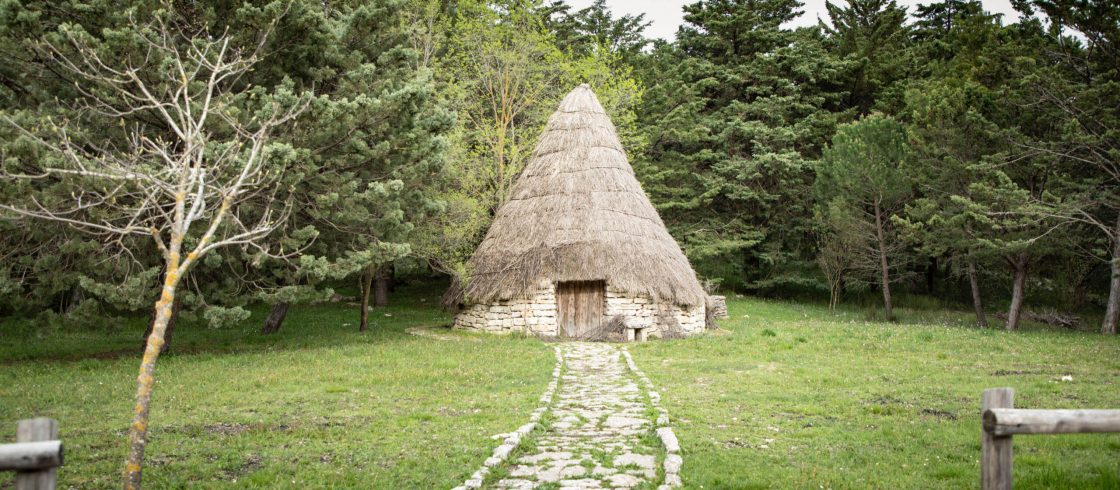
(871, 35)
(1079, 82)
(860, 180)
(594, 28)
(741, 111)
(951, 135)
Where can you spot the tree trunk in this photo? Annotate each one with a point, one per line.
(931, 275)
(1080, 300)
(884, 268)
(834, 296)
(175, 306)
(974, 283)
(75, 299)
(381, 285)
(366, 281)
(1112, 312)
(391, 276)
(1018, 287)
(275, 318)
(138, 430)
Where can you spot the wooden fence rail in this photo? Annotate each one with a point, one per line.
(36, 455)
(1001, 421)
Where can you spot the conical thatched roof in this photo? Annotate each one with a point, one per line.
(577, 213)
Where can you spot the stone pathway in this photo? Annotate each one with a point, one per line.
(599, 433)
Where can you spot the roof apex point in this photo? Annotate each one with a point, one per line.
(584, 85)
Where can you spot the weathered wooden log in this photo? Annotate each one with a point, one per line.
(1012, 421)
(23, 456)
(995, 451)
(38, 430)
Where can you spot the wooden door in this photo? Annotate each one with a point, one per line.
(581, 307)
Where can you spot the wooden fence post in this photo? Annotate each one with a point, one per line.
(35, 430)
(995, 451)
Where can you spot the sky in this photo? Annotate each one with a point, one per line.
(666, 15)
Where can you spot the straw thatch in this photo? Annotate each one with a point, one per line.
(578, 214)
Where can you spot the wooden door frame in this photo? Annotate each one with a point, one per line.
(562, 315)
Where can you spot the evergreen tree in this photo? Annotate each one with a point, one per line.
(1079, 82)
(373, 138)
(861, 182)
(741, 110)
(951, 135)
(871, 35)
(937, 23)
(594, 27)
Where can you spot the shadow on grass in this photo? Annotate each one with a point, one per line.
(306, 327)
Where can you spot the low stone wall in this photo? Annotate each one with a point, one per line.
(538, 315)
(642, 311)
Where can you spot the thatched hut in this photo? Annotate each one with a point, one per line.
(578, 245)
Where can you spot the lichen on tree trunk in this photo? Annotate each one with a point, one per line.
(366, 282)
(138, 430)
(175, 307)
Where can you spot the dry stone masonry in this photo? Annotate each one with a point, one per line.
(538, 315)
(643, 312)
(600, 431)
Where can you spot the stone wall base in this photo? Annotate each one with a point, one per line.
(538, 315)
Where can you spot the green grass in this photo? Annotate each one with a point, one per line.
(317, 405)
(795, 397)
(838, 401)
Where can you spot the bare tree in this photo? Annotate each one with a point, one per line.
(194, 168)
(853, 247)
(836, 259)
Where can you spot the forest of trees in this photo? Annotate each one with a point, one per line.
(203, 156)
(942, 150)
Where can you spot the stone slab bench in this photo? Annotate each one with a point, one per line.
(639, 333)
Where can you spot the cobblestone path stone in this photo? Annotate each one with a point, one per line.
(599, 431)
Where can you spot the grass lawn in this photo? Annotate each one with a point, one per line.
(795, 397)
(318, 405)
(790, 397)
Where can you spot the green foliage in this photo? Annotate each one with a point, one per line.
(741, 110)
(594, 29)
(503, 70)
(353, 162)
(860, 184)
(872, 37)
(951, 135)
(863, 166)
